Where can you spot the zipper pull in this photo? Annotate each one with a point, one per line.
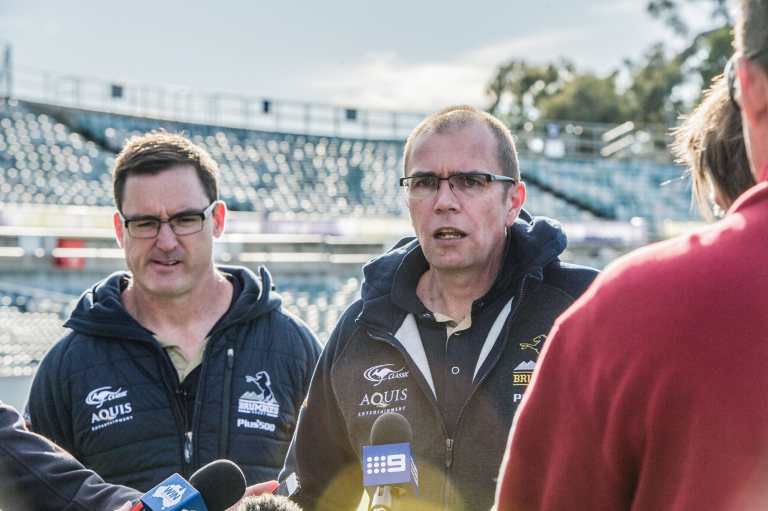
(188, 447)
(230, 358)
(448, 452)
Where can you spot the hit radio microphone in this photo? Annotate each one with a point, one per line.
(388, 466)
(214, 487)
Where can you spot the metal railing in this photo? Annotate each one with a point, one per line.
(550, 139)
(211, 108)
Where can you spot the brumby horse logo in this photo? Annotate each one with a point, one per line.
(262, 401)
(263, 383)
(534, 344)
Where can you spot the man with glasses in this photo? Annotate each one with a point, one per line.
(448, 328)
(652, 391)
(177, 362)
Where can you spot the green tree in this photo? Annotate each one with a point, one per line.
(586, 98)
(653, 79)
(707, 51)
(518, 86)
(520, 91)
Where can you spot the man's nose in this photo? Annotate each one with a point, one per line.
(445, 197)
(166, 238)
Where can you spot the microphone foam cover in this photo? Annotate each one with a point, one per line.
(391, 428)
(221, 484)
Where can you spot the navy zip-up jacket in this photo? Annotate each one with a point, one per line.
(109, 394)
(375, 362)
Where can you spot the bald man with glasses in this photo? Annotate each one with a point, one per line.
(177, 361)
(448, 329)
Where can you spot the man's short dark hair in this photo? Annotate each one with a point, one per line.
(752, 30)
(459, 116)
(157, 151)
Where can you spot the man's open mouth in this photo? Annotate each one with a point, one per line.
(449, 233)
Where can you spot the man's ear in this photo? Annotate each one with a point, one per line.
(219, 218)
(119, 228)
(514, 201)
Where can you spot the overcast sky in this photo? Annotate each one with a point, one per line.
(404, 55)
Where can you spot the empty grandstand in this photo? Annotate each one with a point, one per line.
(312, 206)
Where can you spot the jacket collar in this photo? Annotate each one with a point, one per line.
(100, 311)
(532, 243)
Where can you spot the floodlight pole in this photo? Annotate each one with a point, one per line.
(6, 72)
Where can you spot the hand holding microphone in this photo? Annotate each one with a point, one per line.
(215, 487)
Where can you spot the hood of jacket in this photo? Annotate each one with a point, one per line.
(532, 243)
(100, 311)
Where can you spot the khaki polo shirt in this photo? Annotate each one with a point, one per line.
(180, 363)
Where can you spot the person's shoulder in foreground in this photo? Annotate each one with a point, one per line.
(35, 474)
(651, 391)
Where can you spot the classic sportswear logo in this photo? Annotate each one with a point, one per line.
(105, 416)
(380, 373)
(97, 397)
(261, 401)
(521, 375)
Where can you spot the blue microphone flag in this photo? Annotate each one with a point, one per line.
(174, 493)
(388, 464)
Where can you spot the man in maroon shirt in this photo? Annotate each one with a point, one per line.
(652, 392)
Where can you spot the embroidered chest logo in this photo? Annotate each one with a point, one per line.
(380, 373)
(111, 407)
(260, 401)
(521, 375)
(534, 344)
(377, 403)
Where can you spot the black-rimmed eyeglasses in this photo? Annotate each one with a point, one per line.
(730, 73)
(182, 224)
(467, 184)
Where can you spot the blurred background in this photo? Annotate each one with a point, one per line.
(306, 106)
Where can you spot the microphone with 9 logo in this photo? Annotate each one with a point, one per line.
(388, 466)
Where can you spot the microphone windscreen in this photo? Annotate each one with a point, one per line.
(221, 484)
(268, 503)
(391, 428)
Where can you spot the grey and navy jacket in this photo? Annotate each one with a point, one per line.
(37, 475)
(109, 394)
(375, 362)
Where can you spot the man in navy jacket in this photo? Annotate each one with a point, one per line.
(177, 362)
(448, 328)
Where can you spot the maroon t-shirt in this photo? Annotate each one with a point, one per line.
(652, 391)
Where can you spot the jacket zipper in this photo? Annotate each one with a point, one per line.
(188, 447)
(391, 340)
(450, 442)
(227, 403)
(448, 462)
(173, 388)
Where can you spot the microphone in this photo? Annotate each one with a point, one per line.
(387, 463)
(214, 487)
(268, 502)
